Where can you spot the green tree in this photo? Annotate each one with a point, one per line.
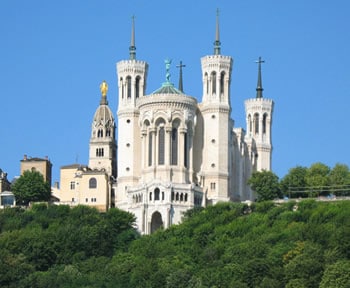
(306, 264)
(265, 184)
(339, 179)
(294, 183)
(31, 186)
(317, 179)
(337, 275)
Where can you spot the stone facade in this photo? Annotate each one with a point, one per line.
(174, 151)
(42, 165)
(80, 185)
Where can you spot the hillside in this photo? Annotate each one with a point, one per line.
(227, 245)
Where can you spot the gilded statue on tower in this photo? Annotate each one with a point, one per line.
(104, 88)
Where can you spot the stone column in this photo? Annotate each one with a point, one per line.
(167, 142)
(143, 149)
(190, 154)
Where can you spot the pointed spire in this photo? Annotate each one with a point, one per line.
(217, 43)
(180, 76)
(259, 88)
(132, 48)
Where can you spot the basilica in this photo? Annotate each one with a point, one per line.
(172, 152)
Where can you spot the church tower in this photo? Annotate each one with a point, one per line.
(216, 109)
(259, 120)
(103, 147)
(132, 76)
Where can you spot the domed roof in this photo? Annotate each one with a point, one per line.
(167, 88)
(103, 115)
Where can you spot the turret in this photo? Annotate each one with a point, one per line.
(215, 110)
(216, 74)
(259, 121)
(132, 75)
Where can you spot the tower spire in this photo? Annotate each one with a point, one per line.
(259, 88)
(180, 76)
(217, 43)
(132, 48)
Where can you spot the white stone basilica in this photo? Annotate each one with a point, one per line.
(173, 152)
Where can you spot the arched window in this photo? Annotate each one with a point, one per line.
(174, 146)
(161, 145)
(108, 132)
(213, 82)
(186, 150)
(256, 123)
(92, 183)
(121, 84)
(264, 123)
(250, 123)
(206, 82)
(100, 133)
(128, 86)
(163, 195)
(222, 82)
(156, 194)
(150, 196)
(137, 87)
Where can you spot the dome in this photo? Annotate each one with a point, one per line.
(167, 88)
(103, 116)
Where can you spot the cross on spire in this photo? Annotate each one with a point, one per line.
(180, 76)
(259, 88)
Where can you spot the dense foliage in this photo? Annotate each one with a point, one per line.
(39, 242)
(265, 184)
(302, 182)
(31, 186)
(305, 244)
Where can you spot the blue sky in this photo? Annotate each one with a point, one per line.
(54, 55)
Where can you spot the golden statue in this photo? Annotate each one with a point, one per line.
(104, 88)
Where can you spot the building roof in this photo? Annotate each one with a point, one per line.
(35, 159)
(167, 88)
(72, 166)
(103, 115)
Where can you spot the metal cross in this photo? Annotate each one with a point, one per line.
(260, 61)
(180, 78)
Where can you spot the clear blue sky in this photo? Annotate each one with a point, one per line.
(54, 55)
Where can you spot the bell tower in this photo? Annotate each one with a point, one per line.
(103, 148)
(131, 75)
(216, 109)
(259, 121)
